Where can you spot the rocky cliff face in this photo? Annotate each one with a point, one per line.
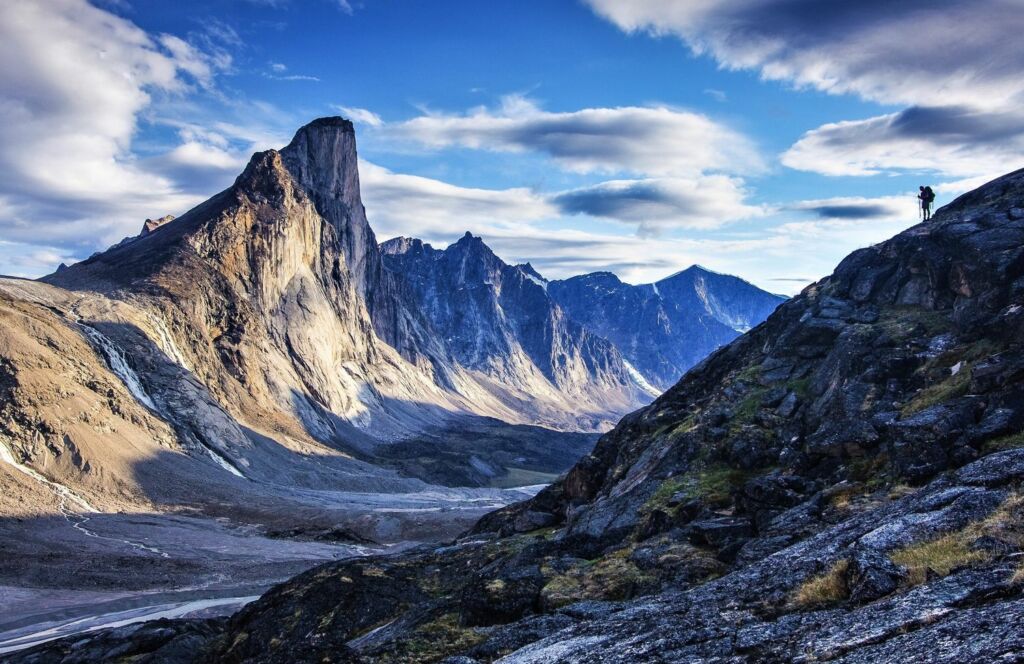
(497, 319)
(845, 482)
(666, 327)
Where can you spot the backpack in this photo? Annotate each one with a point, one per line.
(929, 195)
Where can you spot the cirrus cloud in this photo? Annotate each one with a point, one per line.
(73, 81)
(644, 140)
(910, 52)
(956, 64)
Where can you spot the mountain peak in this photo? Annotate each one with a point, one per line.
(402, 245)
(330, 122)
(151, 225)
(528, 269)
(470, 242)
(322, 158)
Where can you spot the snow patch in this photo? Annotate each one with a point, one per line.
(223, 463)
(539, 282)
(639, 379)
(119, 365)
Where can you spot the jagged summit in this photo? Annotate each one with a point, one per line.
(528, 269)
(151, 225)
(401, 245)
(330, 122)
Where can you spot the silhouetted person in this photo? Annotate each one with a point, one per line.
(926, 197)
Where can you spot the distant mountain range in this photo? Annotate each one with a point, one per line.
(587, 335)
(666, 327)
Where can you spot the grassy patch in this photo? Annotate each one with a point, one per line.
(801, 387)
(941, 556)
(712, 485)
(827, 588)
(612, 577)
(716, 484)
(840, 499)
(675, 428)
(747, 409)
(433, 641)
(972, 352)
(944, 554)
(749, 374)
(901, 322)
(1010, 442)
(873, 471)
(952, 387)
(659, 499)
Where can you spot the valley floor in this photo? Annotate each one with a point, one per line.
(78, 571)
(62, 576)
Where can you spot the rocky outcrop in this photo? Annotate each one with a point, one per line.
(845, 482)
(665, 327)
(151, 225)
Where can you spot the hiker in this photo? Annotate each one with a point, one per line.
(926, 197)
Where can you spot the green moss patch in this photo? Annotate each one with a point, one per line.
(1010, 442)
(612, 577)
(433, 641)
(952, 387)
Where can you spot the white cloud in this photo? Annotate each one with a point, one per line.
(400, 204)
(642, 140)
(657, 204)
(361, 116)
(423, 207)
(30, 260)
(956, 64)
(73, 81)
(952, 141)
(910, 52)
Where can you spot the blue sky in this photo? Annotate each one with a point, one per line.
(767, 139)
